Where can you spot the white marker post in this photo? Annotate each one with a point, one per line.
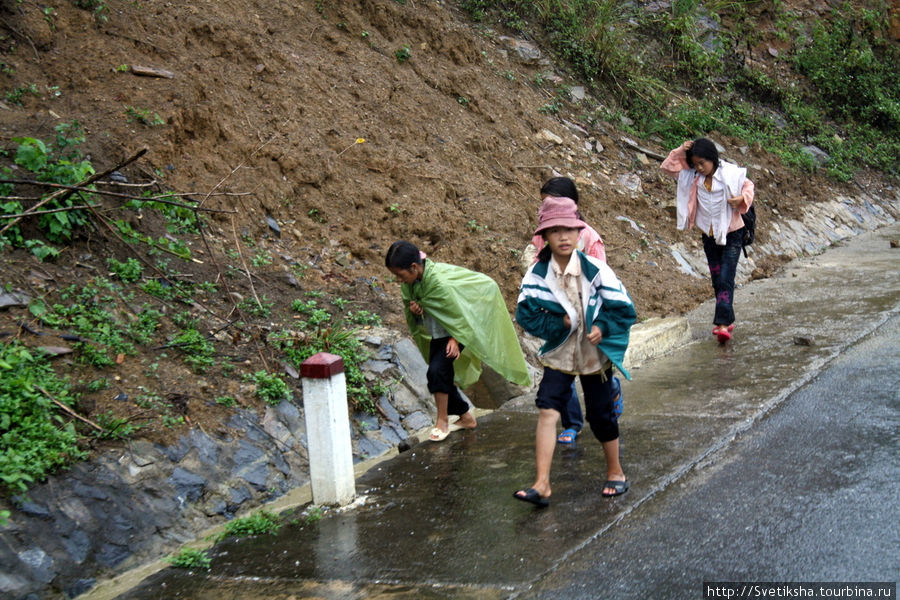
(328, 429)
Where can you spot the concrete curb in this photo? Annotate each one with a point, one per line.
(654, 338)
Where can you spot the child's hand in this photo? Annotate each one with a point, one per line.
(414, 308)
(736, 201)
(595, 336)
(567, 321)
(452, 348)
(687, 145)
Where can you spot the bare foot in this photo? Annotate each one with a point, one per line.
(467, 421)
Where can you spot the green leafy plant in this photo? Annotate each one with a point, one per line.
(35, 439)
(58, 163)
(198, 351)
(270, 387)
(402, 53)
(143, 116)
(15, 96)
(226, 401)
(190, 558)
(260, 523)
(314, 514)
(261, 308)
(128, 271)
(97, 7)
(115, 428)
(322, 333)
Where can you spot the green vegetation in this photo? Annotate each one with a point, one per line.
(131, 305)
(190, 558)
(143, 116)
(97, 7)
(58, 163)
(321, 332)
(260, 523)
(35, 439)
(402, 53)
(709, 87)
(269, 387)
(15, 96)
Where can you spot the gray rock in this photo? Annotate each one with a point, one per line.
(370, 448)
(110, 555)
(240, 495)
(247, 453)
(256, 475)
(416, 421)
(412, 367)
(188, 486)
(819, 156)
(390, 412)
(378, 366)
(207, 448)
(39, 563)
(10, 299)
(33, 509)
(80, 586)
(11, 584)
(77, 544)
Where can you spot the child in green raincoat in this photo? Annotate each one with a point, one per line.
(458, 319)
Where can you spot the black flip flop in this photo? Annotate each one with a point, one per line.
(620, 488)
(532, 496)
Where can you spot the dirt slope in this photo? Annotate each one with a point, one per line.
(351, 124)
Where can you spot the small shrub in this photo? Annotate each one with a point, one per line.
(128, 271)
(35, 440)
(190, 558)
(263, 522)
(143, 116)
(197, 350)
(403, 53)
(269, 387)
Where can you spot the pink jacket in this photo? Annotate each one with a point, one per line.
(677, 167)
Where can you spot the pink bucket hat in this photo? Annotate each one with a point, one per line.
(558, 212)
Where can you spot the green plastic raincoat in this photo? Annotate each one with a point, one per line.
(470, 307)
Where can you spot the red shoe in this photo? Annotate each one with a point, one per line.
(723, 334)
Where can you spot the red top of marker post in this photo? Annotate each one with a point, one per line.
(322, 366)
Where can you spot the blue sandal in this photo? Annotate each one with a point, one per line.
(567, 436)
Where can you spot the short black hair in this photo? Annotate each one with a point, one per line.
(402, 255)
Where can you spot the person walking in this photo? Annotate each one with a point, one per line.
(713, 194)
(458, 319)
(589, 242)
(578, 306)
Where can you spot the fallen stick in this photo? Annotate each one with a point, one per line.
(69, 410)
(649, 153)
(78, 188)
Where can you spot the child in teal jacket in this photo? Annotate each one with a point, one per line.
(580, 308)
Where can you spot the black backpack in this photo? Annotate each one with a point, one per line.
(749, 218)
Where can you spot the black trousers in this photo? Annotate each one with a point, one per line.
(440, 376)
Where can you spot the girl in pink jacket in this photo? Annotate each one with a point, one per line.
(713, 194)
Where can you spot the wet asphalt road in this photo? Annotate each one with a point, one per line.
(763, 459)
(809, 494)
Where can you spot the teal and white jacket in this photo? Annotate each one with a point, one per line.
(542, 305)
